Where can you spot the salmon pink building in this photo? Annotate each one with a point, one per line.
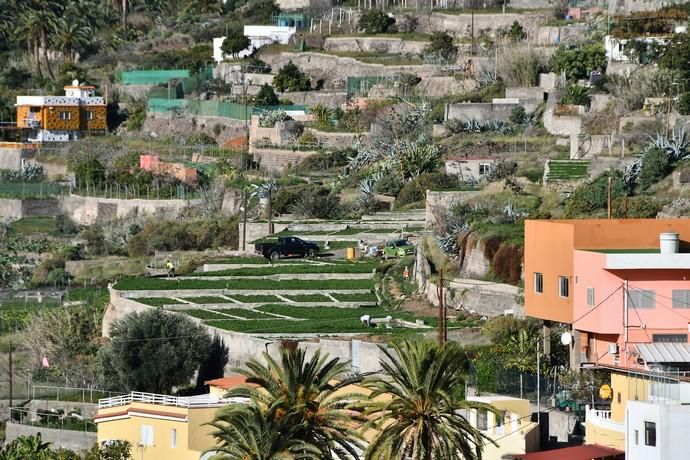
(623, 285)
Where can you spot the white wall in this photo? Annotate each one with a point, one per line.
(672, 430)
(259, 36)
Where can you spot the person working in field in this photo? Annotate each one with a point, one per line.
(171, 268)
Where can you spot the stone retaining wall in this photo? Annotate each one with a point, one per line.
(11, 208)
(381, 45)
(87, 210)
(277, 160)
(438, 203)
(77, 441)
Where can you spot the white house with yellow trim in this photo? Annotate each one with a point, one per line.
(513, 431)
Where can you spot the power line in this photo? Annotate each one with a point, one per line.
(598, 305)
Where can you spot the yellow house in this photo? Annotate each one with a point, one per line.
(512, 430)
(160, 427)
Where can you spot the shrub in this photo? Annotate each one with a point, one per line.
(521, 66)
(325, 160)
(517, 32)
(655, 166)
(376, 22)
(389, 184)
(518, 115)
(319, 204)
(291, 78)
(684, 104)
(415, 190)
(235, 41)
(637, 207)
(576, 95)
(441, 45)
(266, 96)
(578, 62)
(592, 196)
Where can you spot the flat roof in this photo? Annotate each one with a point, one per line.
(585, 452)
(227, 383)
(625, 251)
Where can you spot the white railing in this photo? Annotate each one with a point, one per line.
(602, 418)
(162, 400)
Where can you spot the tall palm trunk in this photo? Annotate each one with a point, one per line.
(124, 14)
(37, 57)
(44, 45)
(520, 385)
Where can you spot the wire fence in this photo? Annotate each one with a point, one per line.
(26, 190)
(70, 394)
(119, 191)
(72, 421)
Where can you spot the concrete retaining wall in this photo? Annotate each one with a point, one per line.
(18, 209)
(87, 210)
(10, 158)
(277, 160)
(381, 45)
(87, 410)
(438, 203)
(480, 111)
(77, 441)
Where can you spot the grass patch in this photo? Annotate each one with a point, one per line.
(207, 299)
(33, 226)
(240, 260)
(352, 267)
(368, 297)
(157, 301)
(308, 298)
(135, 284)
(335, 245)
(245, 313)
(254, 298)
(315, 320)
(204, 314)
(218, 314)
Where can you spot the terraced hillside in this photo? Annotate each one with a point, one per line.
(287, 298)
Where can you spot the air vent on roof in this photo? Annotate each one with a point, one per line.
(668, 243)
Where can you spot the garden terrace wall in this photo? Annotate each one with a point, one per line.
(381, 45)
(438, 203)
(480, 111)
(78, 441)
(18, 209)
(87, 210)
(460, 25)
(278, 160)
(10, 156)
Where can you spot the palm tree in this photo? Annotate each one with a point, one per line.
(71, 36)
(521, 354)
(422, 420)
(29, 30)
(204, 6)
(250, 433)
(307, 398)
(25, 447)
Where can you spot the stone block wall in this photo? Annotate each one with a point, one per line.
(277, 160)
(77, 441)
(481, 111)
(381, 45)
(437, 203)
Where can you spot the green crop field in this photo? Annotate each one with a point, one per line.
(206, 299)
(314, 320)
(350, 267)
(134, 284)
(156, 301)
(222, 314)
(368, 297)
(308, 298)
(254, 298)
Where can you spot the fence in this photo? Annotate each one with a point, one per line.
(152, 77)
(45, 419)
(32, 189)
(125, 192)
(70, 394)
(201, 108)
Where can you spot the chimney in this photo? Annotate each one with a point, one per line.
(668, 243)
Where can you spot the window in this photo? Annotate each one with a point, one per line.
(173, 438)
(484, 168)
(637, 437)
(65, 115)
(641, 298)
(146, 435)
(681, 298)
(90, 115)
(34, 109)
(563, 287)
(670, 338)
(482, 420)
(619, 397)
(590, 297)
(650, 434)
(538, 283)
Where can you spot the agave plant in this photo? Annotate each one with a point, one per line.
(676, 146)
(472, 126)
(631, 173)
(265, 189)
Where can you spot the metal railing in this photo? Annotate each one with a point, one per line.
(45, 419)
(163, 400)
(71, 394)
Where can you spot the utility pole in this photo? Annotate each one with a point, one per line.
(244, 220)
(472, 46)
(538, 383)
(270, 213)
(10, 379)
(441, 312)
(609, 198)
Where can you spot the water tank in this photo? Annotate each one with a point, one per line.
(668, 243)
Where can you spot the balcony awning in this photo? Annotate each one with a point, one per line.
(662, 352)
(586, 452)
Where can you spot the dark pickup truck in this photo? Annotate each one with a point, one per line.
(287, 246)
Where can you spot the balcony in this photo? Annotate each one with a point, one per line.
(207, 400)
(602, 419)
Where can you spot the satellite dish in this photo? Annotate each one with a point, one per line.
(566, 338)
(605, 392)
